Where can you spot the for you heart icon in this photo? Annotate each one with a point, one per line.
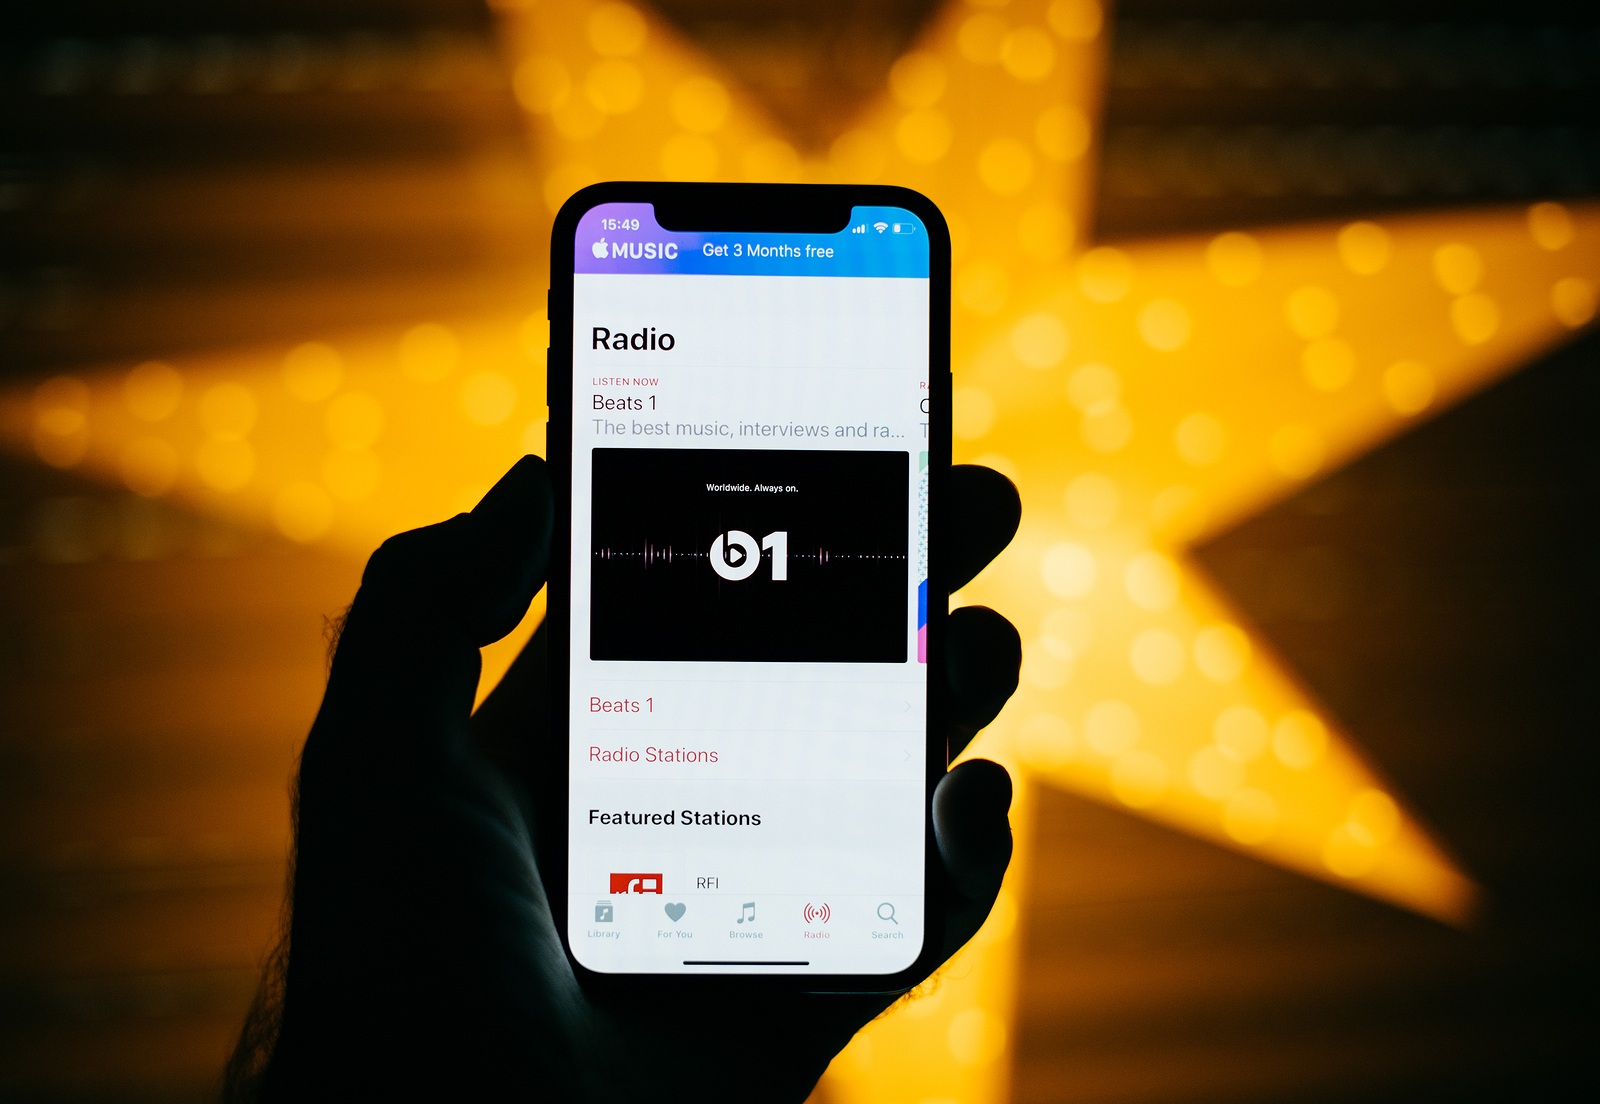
(676, 909)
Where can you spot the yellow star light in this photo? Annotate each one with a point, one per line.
(1141, 397)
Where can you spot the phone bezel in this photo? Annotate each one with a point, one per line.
(750, 207)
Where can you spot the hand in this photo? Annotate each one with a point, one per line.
(421, 954)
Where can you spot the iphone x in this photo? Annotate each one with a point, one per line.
(750, 435)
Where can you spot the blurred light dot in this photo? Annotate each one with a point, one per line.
(152, 391)
(1550, 224)
(1178, 512)
(917, 79)
(1364, 248)
(1240, 732)
(351, 475)
(1005, 166)
(1299, 739)
(577, 118)
(1068, 570)
(857, 155)
(689, 157)
(1157, 656)
(1408, 386)
(1105, 274)
(312, 371)
(1111, 727)
(1093, 385)
(1221, 652)
(1200, 439)
(982, 287)
(1457, 267)
(1475, 317)
(1045, 742)
(227, 411)
(566, 178)
(616, 30)
(540, 83)
(1092, 500)
(430, 352)
(1027, 54)
(923, 135)
(1312, 312)
(1164, 324)
(1075, 20)
(976, 1037)
(61, 421)
(979, 38)
(1296, 451)
(1062, 133)
(354, 421)
(972, 412)
(303, 512)
(1045, 231)
(1234, 259)
(1215, 775)
(770, 160)
(1350, 851)
(1251, 817)
(1151, 580)
(534, 336)
(1039, 340)
(226, 465)
(61, 405)
(1328, 364)
(615, 86)
(1573, 300)
(1378, 813)
(1139, 778)
(149, 466)
(488, 398)
(1106, 428)
(1065, 633)
(700, 104)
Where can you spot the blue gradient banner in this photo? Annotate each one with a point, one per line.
(622, 238)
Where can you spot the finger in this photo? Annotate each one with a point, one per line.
(431, 597)
(974, 837)
(984, 513)
(983, 658)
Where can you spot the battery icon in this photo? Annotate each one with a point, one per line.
(904, 228)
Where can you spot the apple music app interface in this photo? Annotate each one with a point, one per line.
(749, 596)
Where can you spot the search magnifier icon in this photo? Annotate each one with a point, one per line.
(886, 912)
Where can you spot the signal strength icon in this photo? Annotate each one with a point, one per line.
(859, 228)
(880, 227)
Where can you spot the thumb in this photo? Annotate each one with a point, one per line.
(431, 597)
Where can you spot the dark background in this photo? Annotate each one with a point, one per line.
(1439, 596)
(654, 594)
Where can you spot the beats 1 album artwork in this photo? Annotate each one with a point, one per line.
(749, 555)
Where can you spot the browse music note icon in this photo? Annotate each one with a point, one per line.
(748, 912)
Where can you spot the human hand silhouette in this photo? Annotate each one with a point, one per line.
(421, 954)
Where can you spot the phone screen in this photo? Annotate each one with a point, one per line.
(748, 670)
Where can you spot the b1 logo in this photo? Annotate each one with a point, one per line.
(735, 555)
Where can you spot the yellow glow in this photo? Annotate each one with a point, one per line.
(1142, 396)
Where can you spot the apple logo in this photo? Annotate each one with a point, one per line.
(599, 248)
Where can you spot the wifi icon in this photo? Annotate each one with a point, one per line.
(816, 913)
(880, 227)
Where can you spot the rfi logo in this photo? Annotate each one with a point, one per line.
(636, 883)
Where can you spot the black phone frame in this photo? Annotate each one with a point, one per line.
(798, 208)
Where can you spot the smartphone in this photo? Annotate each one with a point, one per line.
(750, 435)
